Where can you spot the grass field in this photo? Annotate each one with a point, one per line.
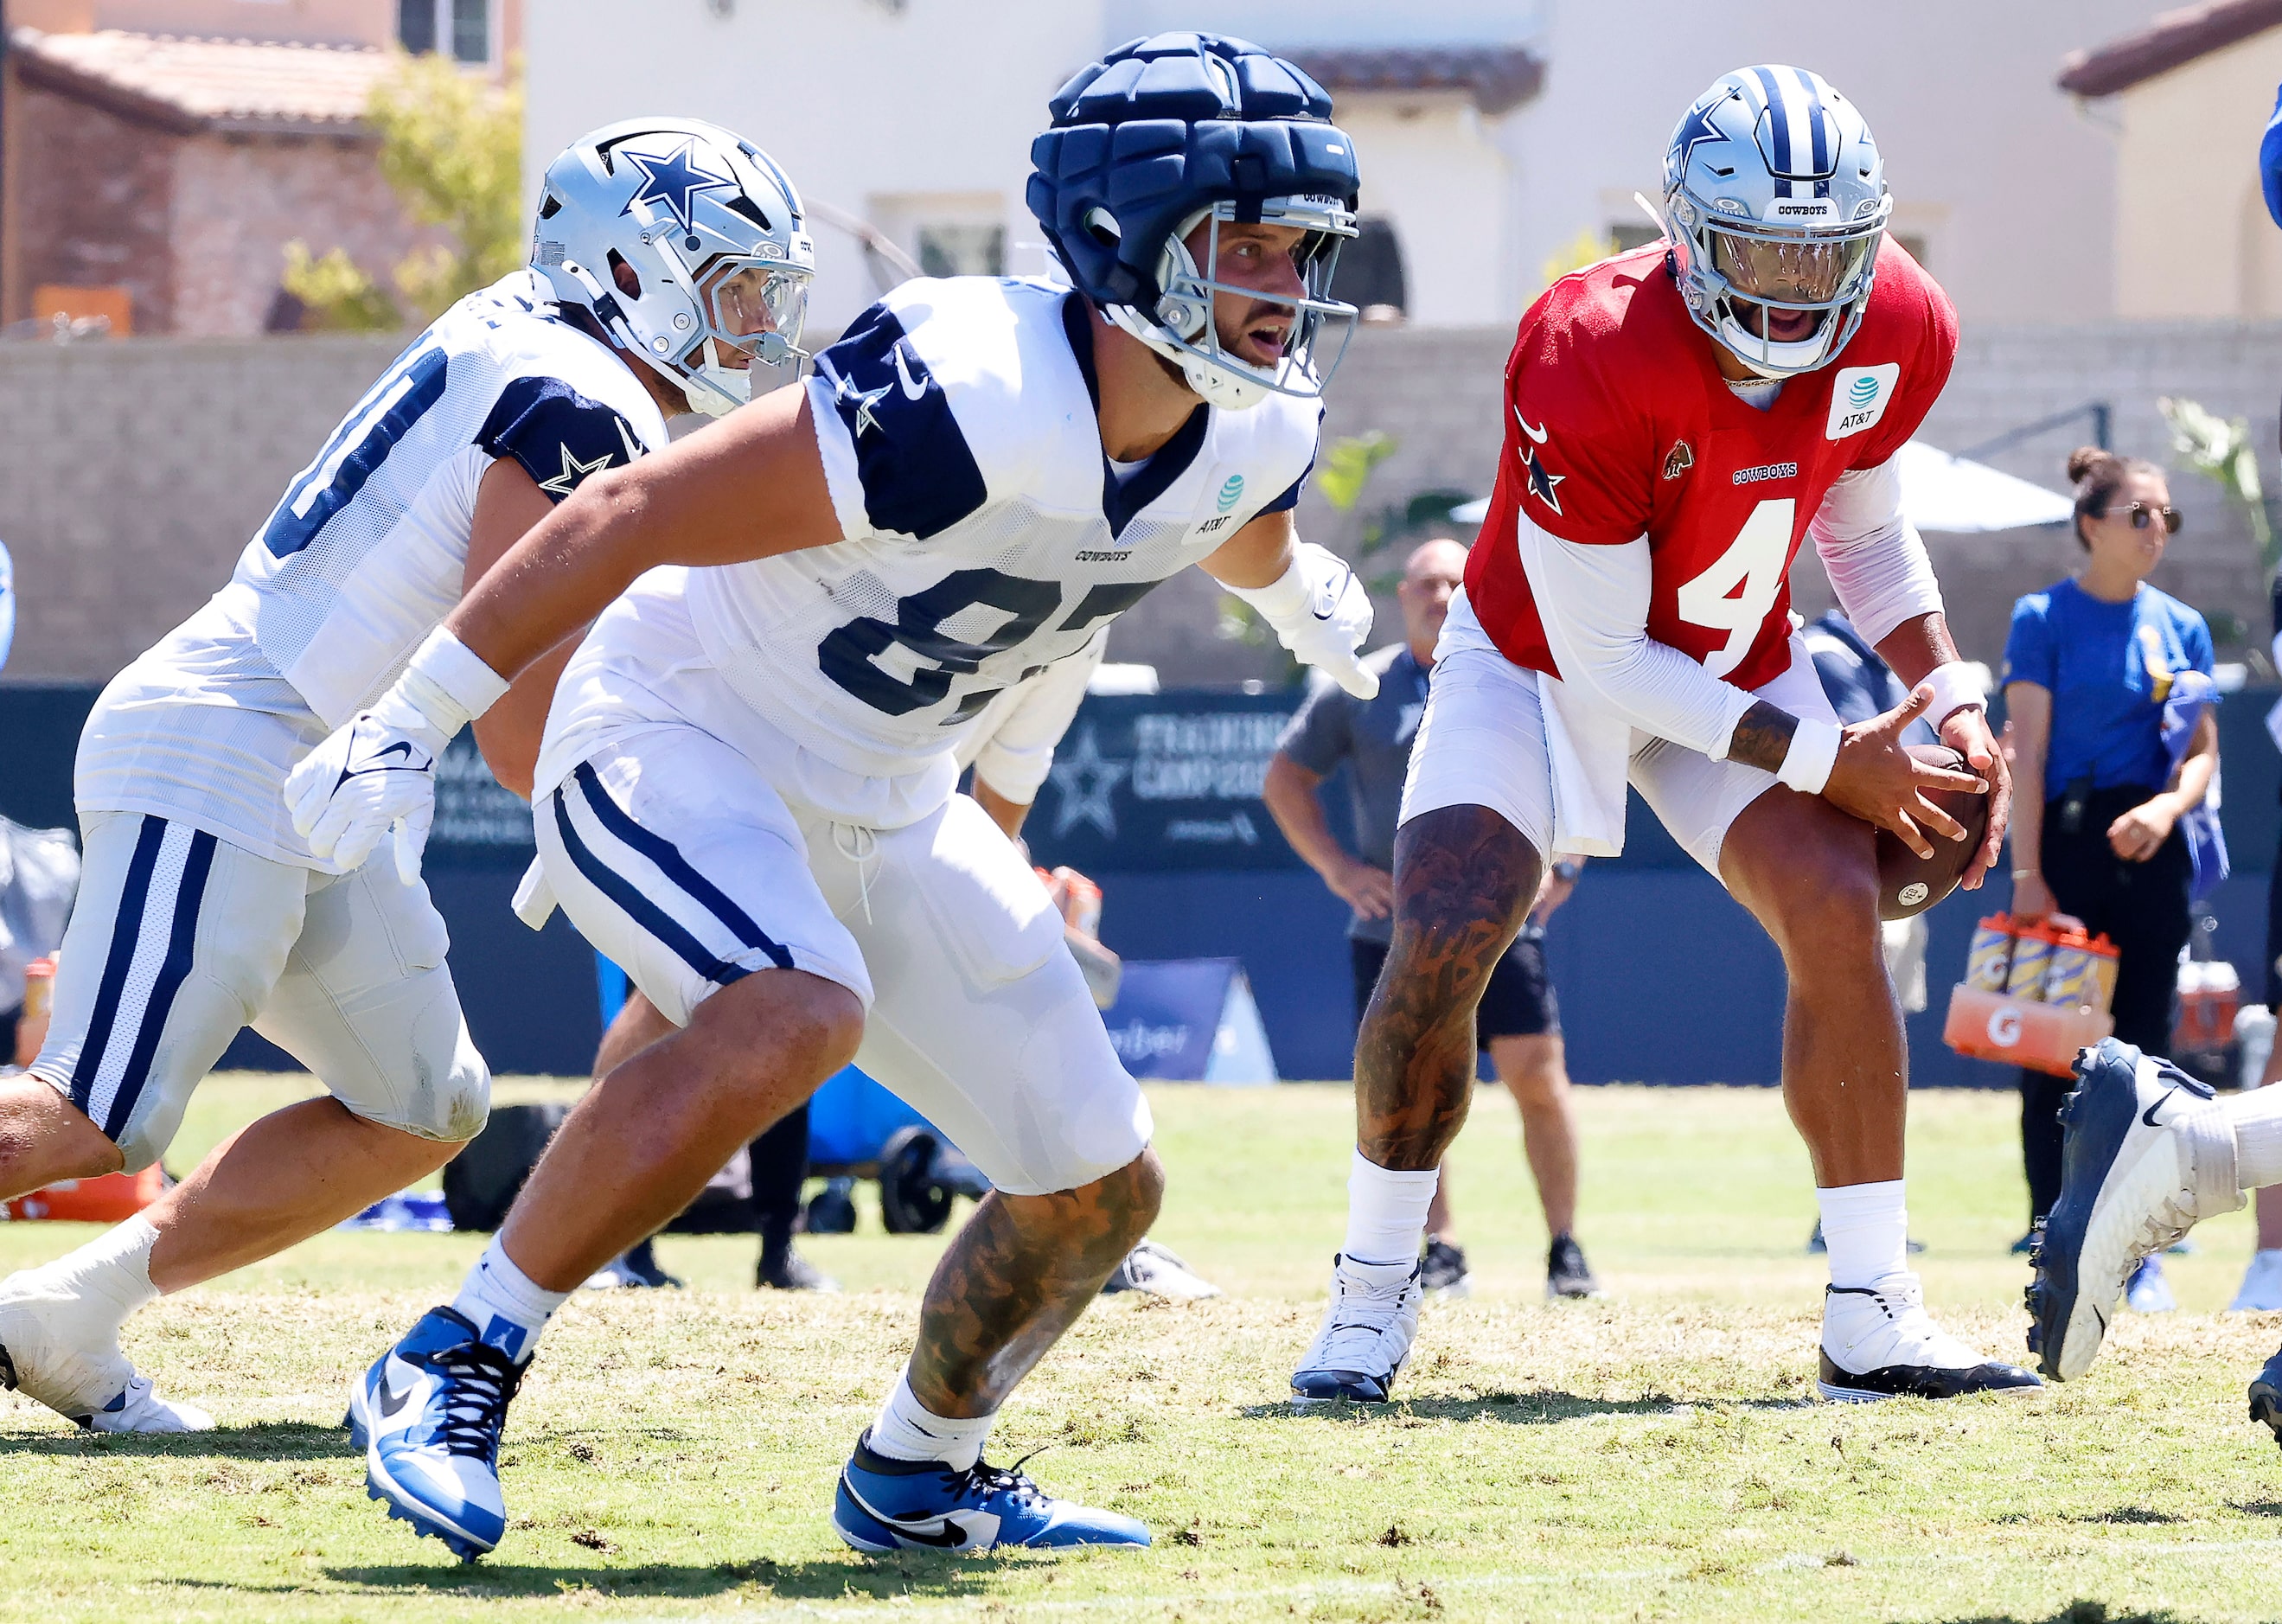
(1658, 1456)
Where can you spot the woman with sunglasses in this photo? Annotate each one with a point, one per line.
(2089, 666)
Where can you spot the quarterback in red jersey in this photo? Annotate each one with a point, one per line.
(1680, 419)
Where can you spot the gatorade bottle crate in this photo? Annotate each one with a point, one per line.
(1990, 1026)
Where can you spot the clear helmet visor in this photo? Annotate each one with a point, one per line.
(1803, 274)
(754, 310)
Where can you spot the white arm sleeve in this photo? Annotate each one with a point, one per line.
(1019, 751)
(1593, 602)
(1876, 558)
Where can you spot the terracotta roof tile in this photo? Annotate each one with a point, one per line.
(245, 85)
(1500, 78)
(2173, 40)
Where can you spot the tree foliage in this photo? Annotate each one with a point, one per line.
(450, 148)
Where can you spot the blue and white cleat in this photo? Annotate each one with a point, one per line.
(1366, 1334)
(2145, 1156)
(884, 1505)
(2266, 1396)
(1878, 1342)
(428, 1416)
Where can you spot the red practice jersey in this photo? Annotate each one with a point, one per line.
(1619, 425)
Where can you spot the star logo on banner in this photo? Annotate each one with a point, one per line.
(674, 181)
(1087, 780)
(573, 471)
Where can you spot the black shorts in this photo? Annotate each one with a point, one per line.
(1518, 1003)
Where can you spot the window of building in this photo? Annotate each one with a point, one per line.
(462, 26)
(963, 250)
(1370, 274)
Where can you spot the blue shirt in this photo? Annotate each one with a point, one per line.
(2107, 667)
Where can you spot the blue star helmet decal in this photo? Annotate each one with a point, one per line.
(674, 180)
(1693, 131)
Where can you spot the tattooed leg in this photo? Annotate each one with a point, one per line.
(1463, 882)
(1017, 1277)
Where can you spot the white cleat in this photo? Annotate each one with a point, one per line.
(1366, 1334)
(1879, 1342)
(2145, 1156)
(2262, 1284)
(1158, 1271)
(62, 1351)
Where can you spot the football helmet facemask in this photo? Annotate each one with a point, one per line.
(1774, 202)
(711, 231)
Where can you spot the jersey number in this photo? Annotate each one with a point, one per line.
(849, 655)
(1735, 595)
(356, 451)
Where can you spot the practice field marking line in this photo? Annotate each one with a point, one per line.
(908, 1606)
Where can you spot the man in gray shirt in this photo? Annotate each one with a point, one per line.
(1518, 1021)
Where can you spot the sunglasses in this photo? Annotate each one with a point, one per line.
(2143, 515)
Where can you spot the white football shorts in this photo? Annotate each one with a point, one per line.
(680, 859)
(179, 938)
(1482, 743)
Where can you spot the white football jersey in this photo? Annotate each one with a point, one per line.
(986, 534)
(362, 556)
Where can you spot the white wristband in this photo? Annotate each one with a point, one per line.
(449, 682)
(1954, 687)
(1283, 597)
(1813, 752)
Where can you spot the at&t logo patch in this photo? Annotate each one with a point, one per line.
(1231, 492)
(1859, 397)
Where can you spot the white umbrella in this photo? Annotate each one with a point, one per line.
(1939, 491)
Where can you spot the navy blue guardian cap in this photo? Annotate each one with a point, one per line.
(1165, 133)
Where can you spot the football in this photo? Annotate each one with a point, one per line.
(1909, 884)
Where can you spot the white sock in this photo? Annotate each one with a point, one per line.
(114, 1269)
(2255, 1115)
(507, 1308)
(907, 1430)
(1386, 1212)
(1867, 1231)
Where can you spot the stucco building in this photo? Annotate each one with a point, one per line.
(2181, 102)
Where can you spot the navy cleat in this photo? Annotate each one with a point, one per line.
(428, 1416)
(2145, 1156)
(1366, 1334)
(2266, 1396)
(1879, 1342)
(884, 1505)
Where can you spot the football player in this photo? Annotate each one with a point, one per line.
(745, 788)
(1679, 419)
(669, 257)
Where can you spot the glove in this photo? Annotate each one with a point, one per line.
(376, 773)
(1319, 611)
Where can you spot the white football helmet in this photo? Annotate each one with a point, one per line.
(1775, 199)
(711, 231)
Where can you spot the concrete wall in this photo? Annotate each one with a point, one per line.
(2192, 234)
(131, 474)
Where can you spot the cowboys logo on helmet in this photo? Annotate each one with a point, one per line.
(1775, 199)
(1165, 134)
(685, 244)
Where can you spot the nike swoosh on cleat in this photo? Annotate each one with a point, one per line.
(2148, 1115)
(392, 1401)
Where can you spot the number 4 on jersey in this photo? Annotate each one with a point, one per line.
(1736, 592)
